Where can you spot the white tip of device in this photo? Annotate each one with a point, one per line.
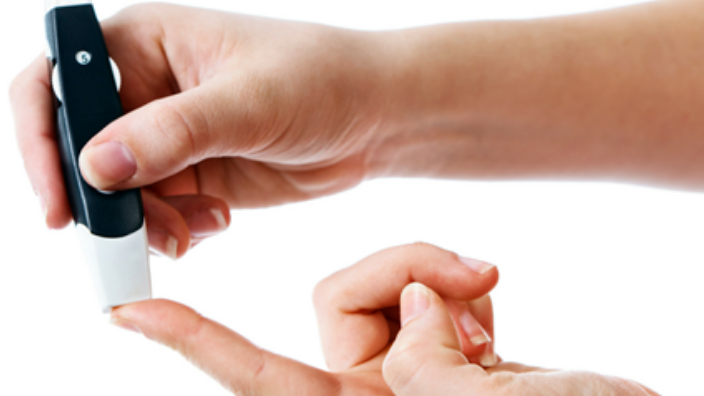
(119, 267)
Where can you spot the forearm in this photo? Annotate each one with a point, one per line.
(615, 95)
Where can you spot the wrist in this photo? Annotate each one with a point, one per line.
(434, 78)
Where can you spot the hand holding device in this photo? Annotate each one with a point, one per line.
(200, 133)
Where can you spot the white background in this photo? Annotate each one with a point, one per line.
(597, 277)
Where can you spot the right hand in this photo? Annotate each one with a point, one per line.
(223, 111)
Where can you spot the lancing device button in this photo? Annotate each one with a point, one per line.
(83, 57)
(106, 192)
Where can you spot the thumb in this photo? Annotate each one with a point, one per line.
(164, 137)
(426, 357)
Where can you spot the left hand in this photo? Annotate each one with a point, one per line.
(427, 360)
(358, 315)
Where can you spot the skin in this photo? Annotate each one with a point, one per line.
(254, 112)
(426, 359)
(229, 111)
(359, 318)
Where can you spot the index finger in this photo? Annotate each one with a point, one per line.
(354, 329)
(31, 99)
(236, 363)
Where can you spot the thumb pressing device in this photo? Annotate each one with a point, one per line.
(85, 82)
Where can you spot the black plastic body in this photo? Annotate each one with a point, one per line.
(90, 102)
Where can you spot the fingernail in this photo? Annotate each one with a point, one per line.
(108, 164)
(474, 331)
(123, 324)
(171, 248)
(163, 243)
(488, 358)
(415, 300)
(477, 266)
(207, 223)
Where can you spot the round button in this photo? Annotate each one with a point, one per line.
(83, 57)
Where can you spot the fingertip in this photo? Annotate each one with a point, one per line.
(415, 301)
(208, 222)
(125, 325)
(473, 336)
(481, 268)
(155, 310)
(157, 319)
(478, 266)
(58, 218)
(165, 244)
(222, 218)
(54, 207)
(481, 276)
(107, 164)
(204, 215)
(167, 230)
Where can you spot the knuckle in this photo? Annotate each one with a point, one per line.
(424, 248)
(332, 291)
(422, 245)
(137, 21)
(175, 129)
(414, 254)
(141, 10)
(322, 294)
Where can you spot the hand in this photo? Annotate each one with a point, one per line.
(358, 317)
(254, 112)
(224, 111)
(427, 359)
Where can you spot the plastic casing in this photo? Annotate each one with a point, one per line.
(111, 226)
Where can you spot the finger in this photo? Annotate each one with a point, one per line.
(348, 304)
(174, 224)
(32, 106)
(205, 216)
(180, 111)
(473, 328)
(475, 323)
(426, 358)
(167, 231)
(164, 137)
(232, 360)
(135, 40)
(483, 310)
(183, 183)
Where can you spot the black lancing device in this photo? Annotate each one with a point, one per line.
(85, 83)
